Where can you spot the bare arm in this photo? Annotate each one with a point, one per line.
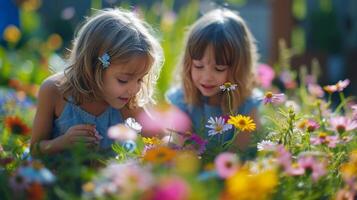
(41, 141)
(42, 124)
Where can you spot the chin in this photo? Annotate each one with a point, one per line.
(117, 105)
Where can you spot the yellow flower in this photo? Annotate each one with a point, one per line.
(247, 186)
(244, 123)
(88, 187)
(31, 5)
(151, 141)
(160, 154)
(12, 34)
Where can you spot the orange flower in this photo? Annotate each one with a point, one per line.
(12, 34)
(16, 125)
(160, 154)
(35, 192)
(54, 42)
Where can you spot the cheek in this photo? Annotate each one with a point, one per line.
(194, 74)
(224, 77)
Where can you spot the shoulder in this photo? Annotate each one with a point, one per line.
(49, 86)
(250, 103)
(174, 94)
(49, 93)
(176, 97)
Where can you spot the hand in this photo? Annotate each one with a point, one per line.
(81, 134)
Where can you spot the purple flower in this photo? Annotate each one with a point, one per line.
(342, 124)
(308, 162)
(273, 98)
(322, 138)
(315, 90)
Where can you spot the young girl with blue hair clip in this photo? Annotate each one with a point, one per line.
(113, 67)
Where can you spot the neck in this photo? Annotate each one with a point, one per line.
(215, 100)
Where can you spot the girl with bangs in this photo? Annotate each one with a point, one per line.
(220, 51)
(112, 69)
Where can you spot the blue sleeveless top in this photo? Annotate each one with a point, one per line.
(199, 115)
(74, 115)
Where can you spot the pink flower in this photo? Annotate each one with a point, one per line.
(157, 120)
(310, 79)
(226, 164)
(330, 88)
(341, 85)
(287, 78)
(308, 162)
(342, 124)
(295, 169)
(312, 125)
(121, 132)
(273, 98)
(315, 90)
(283, 156)
(265, 75)
(330, 141)
(172, 188)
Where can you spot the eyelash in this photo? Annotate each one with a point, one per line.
(200, 67)
(220, 70)
(122, 82)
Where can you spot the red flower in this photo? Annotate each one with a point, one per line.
(16, 125)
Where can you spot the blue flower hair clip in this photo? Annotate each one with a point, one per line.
(105, 60)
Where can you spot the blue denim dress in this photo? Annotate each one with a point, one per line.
(74, 115)
(199, 115)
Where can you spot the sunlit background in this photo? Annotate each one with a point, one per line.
(36, 34)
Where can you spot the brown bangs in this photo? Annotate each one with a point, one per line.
(216, 37)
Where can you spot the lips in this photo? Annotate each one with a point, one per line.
(123, 99)
(207, 86)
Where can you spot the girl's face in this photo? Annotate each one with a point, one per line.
(121, 82)
(207, 76)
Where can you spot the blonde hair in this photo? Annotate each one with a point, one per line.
(233, 45)
(123, 36)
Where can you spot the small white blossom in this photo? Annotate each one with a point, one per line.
(217, 126)
(266, 145)
(228, 87)
(131, 123)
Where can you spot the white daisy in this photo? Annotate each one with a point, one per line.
(266, 145)
(217, 126)
(131, 123)
(228, 87)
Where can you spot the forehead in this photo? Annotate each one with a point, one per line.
(135, 65)
(208, 56)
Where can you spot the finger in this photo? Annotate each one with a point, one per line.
(82, 133)
(88, 127)
(85, 139)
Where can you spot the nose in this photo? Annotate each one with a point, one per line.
(207, 75)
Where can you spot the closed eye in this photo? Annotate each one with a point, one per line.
(122, 81)
(221, 68)
(198, 66)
